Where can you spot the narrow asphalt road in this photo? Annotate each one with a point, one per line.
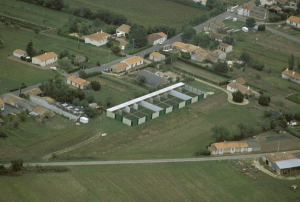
(145, 161)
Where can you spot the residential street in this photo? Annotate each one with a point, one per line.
(144, 161)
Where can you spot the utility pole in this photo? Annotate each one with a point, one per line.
(278, 146)
(108, 55)
(132, 45)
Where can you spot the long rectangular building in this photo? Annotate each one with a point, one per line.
(155, 104)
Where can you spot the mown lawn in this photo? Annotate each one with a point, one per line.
(14, 73)
(193, 181)
(144, 12)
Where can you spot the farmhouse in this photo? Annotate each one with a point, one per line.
(19, 53)
(214, 27)
(187, 48)
(123, 30)
(155, 104)
(77, 82)
(45, 59)
(225, 47)
(259, 13)
(153, 79)
(245, 9)
(234, 87)
(97, 39)
(127, 64)
(229, 147)
(238, 80)
(283, 162)
(216, 36)
(156, 38)
(293, 21)
(291, 75)
(2, 104)
(156, 56)
(19, 103)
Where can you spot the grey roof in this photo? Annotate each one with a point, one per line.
(151, 79)
(257, 9)
(291, 163)
(25, 104)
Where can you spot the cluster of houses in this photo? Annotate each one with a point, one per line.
(42, 60)
(253, 11)
(238, 85)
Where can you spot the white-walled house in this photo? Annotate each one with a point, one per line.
(2, 105)
(291, 75)
(156, 38)
(19, 53)
(266, 2)
(225, 47)
(294, 21)
(203, 2)
(97, 39)
(45, 59)
(123, 30)
(229, 147)
(244, 10)
(156, 56)
(77, 82)
(127, 64)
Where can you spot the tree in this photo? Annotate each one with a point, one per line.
(76, 102)
(29, 49)
(170, 59)
(220, 67)
(214, 45)
(264, 100)
(17, 27)
(257, 2)
(90, 112)
(246, 57)
(2, 41)
(138, 35)
(58, 4)
(250, 22)
(84, 103)
(255, 64)
(37, 31)
(7, 23)
(188, 33)
(17, 165)
(228, 39)
(201, 39)
(291, 61)
(109, 101)
(23, 116)
(2, 134)
(82, 74)
(95, 85)
(220, 133)
(115, 49)
(141, 79)
(238, 96)
(185, 55)
(262, 27)
(64, 63)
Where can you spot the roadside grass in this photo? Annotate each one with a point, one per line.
(234, 25)
(199, 72)
(144, 12)
(14, 73)
(33, 13)
(234, 2)
(190, 181)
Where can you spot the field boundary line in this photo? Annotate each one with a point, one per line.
(73, 147)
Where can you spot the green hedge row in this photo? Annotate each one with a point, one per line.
(15, 89)
(22, 23)
(254, 86)
(294, 88)
(74, 70)
(294, 98)
(93, 74)
(141, 49)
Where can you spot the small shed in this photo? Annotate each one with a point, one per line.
(155, 56)
(19, 53)
(84, 120)
(225, 47)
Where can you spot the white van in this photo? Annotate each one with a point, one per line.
(245, 29)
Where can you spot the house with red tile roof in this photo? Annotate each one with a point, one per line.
(229, 147)
(293, 21)
(97, 39)
(291, 75)
(45, 59)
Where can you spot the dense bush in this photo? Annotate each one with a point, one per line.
(186, 55)
(95, 85)
(238, 96)
(17, 165)
(264, 100)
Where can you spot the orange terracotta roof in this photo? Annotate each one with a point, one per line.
(156, 36)
(247, 6)
(120, 66)
(291, 73)
(156, 54)
(294, 19)
(240, 80)
(133, 60)
(78, 80)
(1, 102)
(124, 28)
(186, 46)
(239, 87)
(46, 56)
(282, 155)
(19, 51)
(233, 144)
(225, 45)
(99, 36)
(34, 91)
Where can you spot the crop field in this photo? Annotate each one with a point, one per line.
(35, 14)
(14, 73)
(199, 72)
(144, 12)
(194, 181)
(271, 49)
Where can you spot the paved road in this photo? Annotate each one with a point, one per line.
(123, 162)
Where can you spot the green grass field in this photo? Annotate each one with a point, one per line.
(14, 73)
(196, 181)
(144, 12)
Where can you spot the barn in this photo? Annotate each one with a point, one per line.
(153, 105)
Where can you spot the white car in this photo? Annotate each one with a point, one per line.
(53, 68)
(160, 42)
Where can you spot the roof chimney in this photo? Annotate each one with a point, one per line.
(287, 69)
(293, 73)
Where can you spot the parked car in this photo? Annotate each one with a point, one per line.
(245, 29)
(53, 68)
(161, 42)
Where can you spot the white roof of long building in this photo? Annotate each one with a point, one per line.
(290, 163)
(145, 97)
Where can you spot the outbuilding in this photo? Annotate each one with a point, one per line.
(123, 30)
(157, 38)
(77, 82)
(19, 53)
(127, 64)
(225, 47)
(156, 56)
(291, 75)
(97, 39)
(45, 59)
